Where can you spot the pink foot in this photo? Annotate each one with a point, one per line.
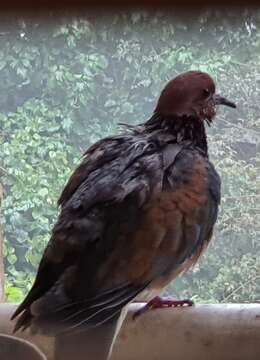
(159, 303)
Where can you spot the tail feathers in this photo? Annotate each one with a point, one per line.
(32, 295)
(25, 318)
(56, 313)
(24, 321)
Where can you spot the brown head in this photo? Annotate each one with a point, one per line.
(191, 94)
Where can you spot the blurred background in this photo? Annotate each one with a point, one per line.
(68, 80)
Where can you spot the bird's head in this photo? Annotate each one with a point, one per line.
(191, 94)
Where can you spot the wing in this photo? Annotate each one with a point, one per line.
(102, 206)
(99, 154)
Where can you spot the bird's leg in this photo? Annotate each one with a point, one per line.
(159, 303)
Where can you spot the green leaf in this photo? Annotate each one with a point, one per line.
(13, 294)
(110, 103)
(2, 64)
(43, 192)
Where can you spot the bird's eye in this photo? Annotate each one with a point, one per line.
(206, 93)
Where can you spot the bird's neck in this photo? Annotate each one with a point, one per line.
(181, 129)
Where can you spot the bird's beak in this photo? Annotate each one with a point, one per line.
(220, 100)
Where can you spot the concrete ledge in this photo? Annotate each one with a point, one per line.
(203, 332)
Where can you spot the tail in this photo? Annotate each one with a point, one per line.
(23, 322)
(55, 313)
(25, 318)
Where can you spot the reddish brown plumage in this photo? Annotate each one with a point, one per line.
(138, 211)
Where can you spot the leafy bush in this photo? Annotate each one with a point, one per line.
(68, 81)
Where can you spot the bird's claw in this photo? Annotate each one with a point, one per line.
(159, 303)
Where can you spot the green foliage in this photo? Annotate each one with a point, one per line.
(67, 82)
(13, 294)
